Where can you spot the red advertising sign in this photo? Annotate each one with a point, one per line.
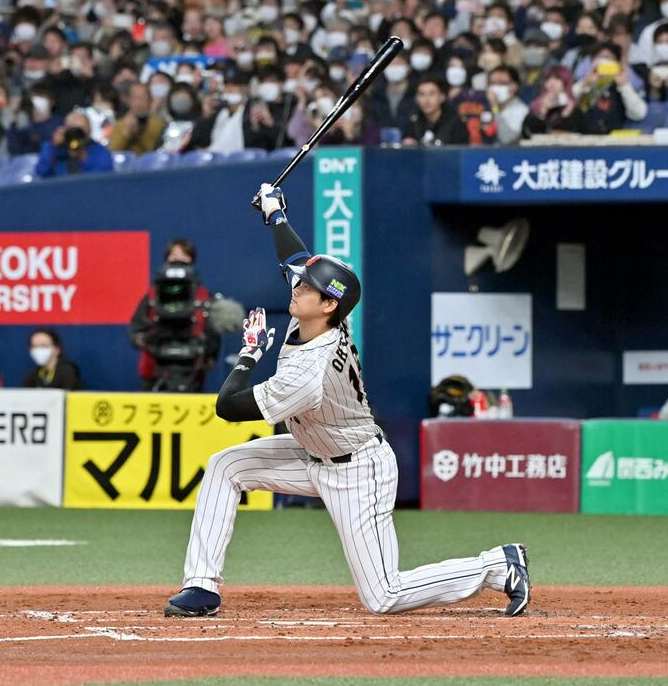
(498, 465)
(72, 278)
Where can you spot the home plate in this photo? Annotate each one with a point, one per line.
(35, 542)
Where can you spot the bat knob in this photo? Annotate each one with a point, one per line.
(256, 202)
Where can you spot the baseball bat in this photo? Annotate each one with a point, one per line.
(380, 60)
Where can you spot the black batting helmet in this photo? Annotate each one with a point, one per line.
(333, 278)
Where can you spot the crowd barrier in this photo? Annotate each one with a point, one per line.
(598, 466)
(113, 450)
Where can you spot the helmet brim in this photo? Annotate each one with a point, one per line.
(301, 272)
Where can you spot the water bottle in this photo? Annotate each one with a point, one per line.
(505, 405)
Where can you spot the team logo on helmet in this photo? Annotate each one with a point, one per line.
(336, 288)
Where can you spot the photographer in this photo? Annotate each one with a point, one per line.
(71, 150)
(171, 325)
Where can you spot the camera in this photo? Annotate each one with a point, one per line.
(75, 138)
(177, 340)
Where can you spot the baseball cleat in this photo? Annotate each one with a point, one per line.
(518, 588)
(193, 602)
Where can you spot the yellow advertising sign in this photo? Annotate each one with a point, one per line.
(147, 450)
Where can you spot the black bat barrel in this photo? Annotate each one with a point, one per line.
(390, 49)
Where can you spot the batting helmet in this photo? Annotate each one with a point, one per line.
(332, 278)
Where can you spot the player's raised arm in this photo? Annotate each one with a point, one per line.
(236, 402)
(289, 246)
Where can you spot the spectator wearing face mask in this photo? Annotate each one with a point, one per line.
(268, 13)
(124, 76)
(492, 55)
(138, 130)
(52, 368)
(536, 59)
(215, 42)
(588, 32)
(159, 86)
(269, 112)
(184, 109)
(605, 95)
(71, 150)
(266, 53)
(508, 109)
(163, 41)
(499, 23)
(393, 98)
(555, 27)
(293, 32)
(334, 42)
(33, 69)
(472, 106)
(434, 123)
(35, 122)
(229, 125)
(555, 109)
(424, 58)
(642, 51)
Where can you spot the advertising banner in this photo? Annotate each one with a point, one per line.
(625, 466)
(645, 367)
(338, 215)
(31, 447)
(564, 174)
(147, 450)
(485, 337)
(495, 465)
(72, 278)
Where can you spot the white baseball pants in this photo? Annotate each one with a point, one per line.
(359, 496)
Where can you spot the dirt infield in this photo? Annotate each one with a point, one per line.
(73, 635)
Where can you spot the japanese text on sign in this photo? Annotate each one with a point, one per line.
(485, 337)
(447, 464)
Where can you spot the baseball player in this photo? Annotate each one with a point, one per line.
(334, 450)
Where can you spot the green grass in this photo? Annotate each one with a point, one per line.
(414, 681)
(297, 546)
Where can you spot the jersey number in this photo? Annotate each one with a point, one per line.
(355, 381)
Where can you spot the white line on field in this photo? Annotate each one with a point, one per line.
(35, 542)
(19, 639)
(104, 632)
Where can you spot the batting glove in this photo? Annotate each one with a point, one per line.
(257, 340)
(272, 200)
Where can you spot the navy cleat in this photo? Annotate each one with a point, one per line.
(517, 587)
(193, 602)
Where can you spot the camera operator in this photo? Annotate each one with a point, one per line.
(71, 150)
(171, 325)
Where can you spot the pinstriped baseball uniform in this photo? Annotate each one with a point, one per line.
(317, 390)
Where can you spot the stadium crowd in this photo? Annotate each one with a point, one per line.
(80, 78)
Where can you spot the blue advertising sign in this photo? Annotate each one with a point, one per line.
(563, 174)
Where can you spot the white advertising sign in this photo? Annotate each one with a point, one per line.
(486, 337)
(646, 367)
(32, 426)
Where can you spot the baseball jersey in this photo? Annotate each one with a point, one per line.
(318, 392)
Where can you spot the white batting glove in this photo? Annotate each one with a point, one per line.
(257, 340)
(271, 200)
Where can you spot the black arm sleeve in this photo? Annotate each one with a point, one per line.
(288, 245)
(236, 402)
